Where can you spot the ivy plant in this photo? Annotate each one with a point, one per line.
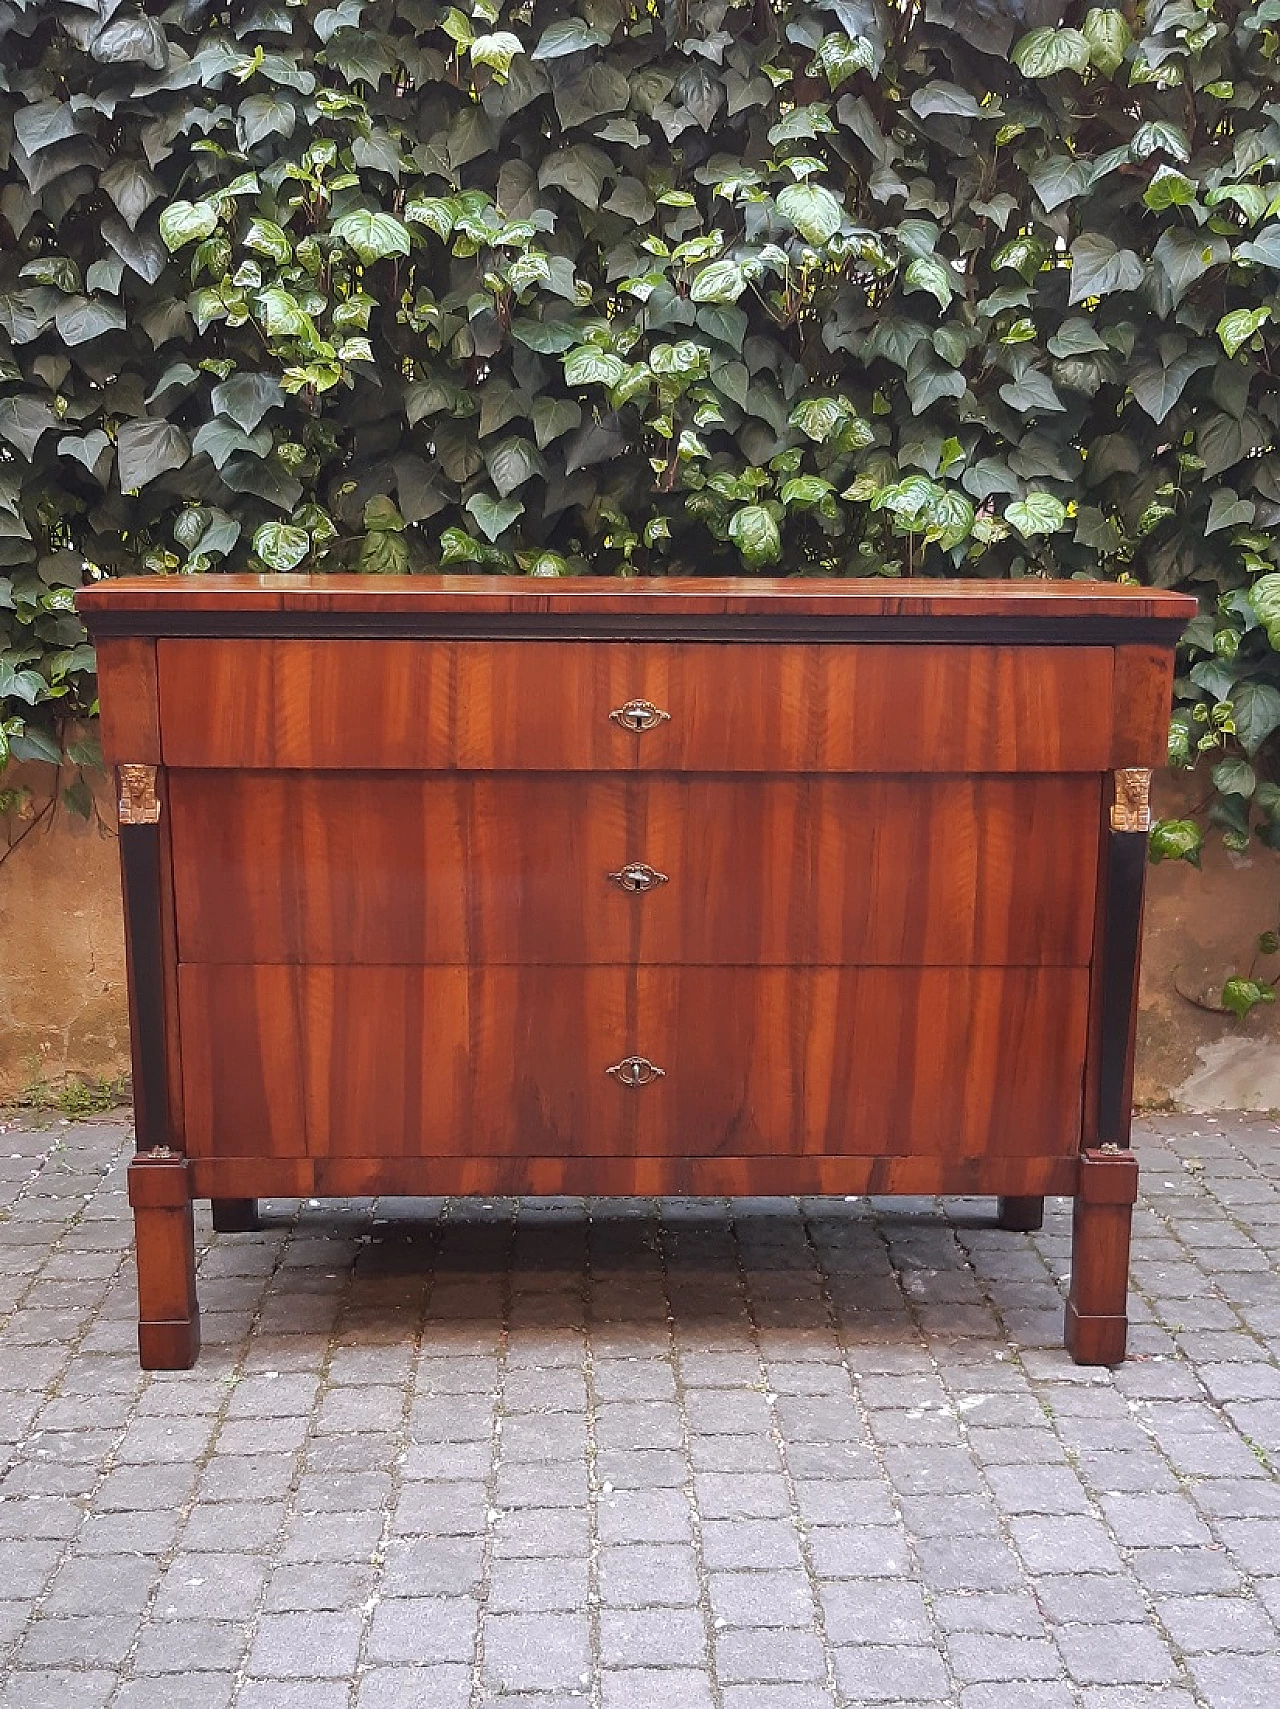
(842, 287)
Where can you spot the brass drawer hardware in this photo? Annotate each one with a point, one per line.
(637, 876)
(636, 1071)
(639, 715)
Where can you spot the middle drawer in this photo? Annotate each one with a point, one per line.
(500, 868)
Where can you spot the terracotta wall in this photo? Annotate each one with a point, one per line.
(62, 1002)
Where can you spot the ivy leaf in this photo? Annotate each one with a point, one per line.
(146, 449)
(265, 237)
(1264, 597)
(493, 515)
(371, 234)
(588, 365)
(281, 547)
(1099, 267)
(1255, 709)
(497, 50)
(23, 420)
(1238, 327)
(1043, 53)
(754, 532)
(511, 464)
(1242, 996)
(131, 40)
(926, 273)
(1157, 136)
(721, 282)
(1038, 513)
(1175, 839)
(1228, 510)
(819, 419)
(263, 116)
(1109, 37)
(187, 222)
(246, 398)
(1263, 249)
(570, 36)
(553, 417)
(81, 319)
(812, 209)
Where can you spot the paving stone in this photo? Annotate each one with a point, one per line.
(445, 1687)
(901, 1673)
(1116, 1655)
(536, 1652)
(156, 1691)
(1236, 1682)
(649, 1575)
(673, 1688)
(305, 1646)
(424, 1629)
(652, 1637)
(769, 1657)
(1219, 1623)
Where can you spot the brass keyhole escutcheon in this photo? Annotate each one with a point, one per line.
(636, 1071)
(639, 716)
(637, 876)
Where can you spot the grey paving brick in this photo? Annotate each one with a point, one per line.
(444, 1687)
(176, 1647)
(652, 1637)
(50, 1688)
(305, 1646)
(538, 1586)
(156, 1691)
(536, 1652)
(424, 1629)
(1116, 1655)
(880, 1612)
(900, 1673)
(768, 1657)
(642, 1688)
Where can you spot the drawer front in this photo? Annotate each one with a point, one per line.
(356, 1062)
(498, 869)
(548, 706)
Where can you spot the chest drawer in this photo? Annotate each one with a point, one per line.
(393, 868)
(489, 1062)
(412, 705)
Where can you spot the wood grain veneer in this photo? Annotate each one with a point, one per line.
(888, 941)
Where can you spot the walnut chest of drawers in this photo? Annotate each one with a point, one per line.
(469, 885)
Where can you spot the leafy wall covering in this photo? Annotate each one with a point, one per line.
(955, 287)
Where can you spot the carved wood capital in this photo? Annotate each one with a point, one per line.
(139, 804)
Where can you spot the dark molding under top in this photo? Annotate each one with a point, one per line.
(1056, 630)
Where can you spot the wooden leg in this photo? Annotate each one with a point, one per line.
(1020, 1215)
(1097, 1320)
(168, 1315)
(236, 1216)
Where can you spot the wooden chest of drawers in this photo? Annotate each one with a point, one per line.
(460, 885)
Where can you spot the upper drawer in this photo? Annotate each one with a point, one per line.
(549, 706)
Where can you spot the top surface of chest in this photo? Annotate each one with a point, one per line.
(480, 673)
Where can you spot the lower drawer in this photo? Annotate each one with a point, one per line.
(455, 1062)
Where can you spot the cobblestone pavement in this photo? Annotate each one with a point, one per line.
(774, 1456)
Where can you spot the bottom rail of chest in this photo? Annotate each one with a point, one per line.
(163, 1185)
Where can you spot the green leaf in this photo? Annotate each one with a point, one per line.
(187, 222)
(1169, 188)
(1099, 267)
(570, 36)
(1043, 53)
(805, 490)
(755, 533)
(1263, 249)
(267, 238)
(812, 209)
(1256, 711)
(721, 282)
(1175, 839)
(263, 116)
(1108, 35)
(147, 449)
(1038, 513)
(511, 464)
(927, 273)
(1228, 510)
(553, 417)
(1264, 597)
(497, 50)
(1239, 326)
(1241, 996)
(588, 365)
(1157, 136)
(1234, 776)
(246, 398)
(373, 235)
(493, 515)
(820, 419)
(281, 547)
